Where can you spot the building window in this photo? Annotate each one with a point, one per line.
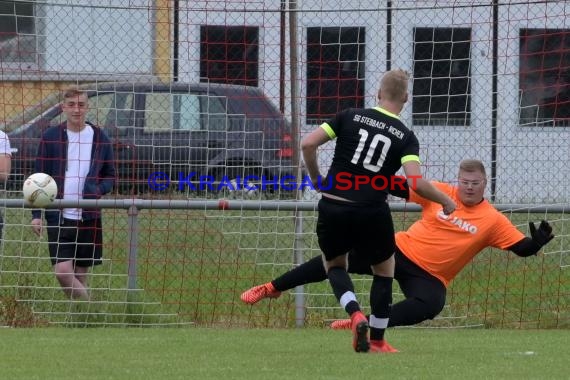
(544, 77)
(18, 40)
(335, 71)
(442, 76)
(229, 54)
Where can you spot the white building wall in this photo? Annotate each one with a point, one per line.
(317, 14)
(442, 147)
(263, 14)
(96, 38)
(530, 161)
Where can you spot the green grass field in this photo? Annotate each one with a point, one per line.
(249, 354)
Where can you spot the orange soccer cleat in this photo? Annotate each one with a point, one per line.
(341, 324)
(259, 292)
(381, 346)
(359, 325)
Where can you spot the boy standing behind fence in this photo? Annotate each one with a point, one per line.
(79, 156)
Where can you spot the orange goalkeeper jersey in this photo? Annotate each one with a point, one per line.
(443, 244)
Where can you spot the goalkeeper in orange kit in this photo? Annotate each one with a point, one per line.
(432, 251)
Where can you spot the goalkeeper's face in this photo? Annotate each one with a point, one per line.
(471, 187)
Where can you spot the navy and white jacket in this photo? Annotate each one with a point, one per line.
(52, 159)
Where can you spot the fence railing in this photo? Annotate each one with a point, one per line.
(257, 244)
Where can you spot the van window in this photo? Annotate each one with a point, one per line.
(188, 112)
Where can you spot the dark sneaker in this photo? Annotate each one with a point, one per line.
(359, 325)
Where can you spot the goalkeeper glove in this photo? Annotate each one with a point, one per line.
(543, 234)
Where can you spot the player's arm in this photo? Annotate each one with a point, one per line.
(5, 167)
(41, 156)
(39, 167)
(400, 189)
(424, 188)
(309, 145)
(5, 157)
(107, 174)
(529, 246)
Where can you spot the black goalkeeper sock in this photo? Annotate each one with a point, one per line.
(343, 289)
(306, 273)
(380, 303)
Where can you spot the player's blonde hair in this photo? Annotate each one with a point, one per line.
(470, 166)
(394, 85)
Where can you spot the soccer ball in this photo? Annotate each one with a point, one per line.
(39, 190)
(236, 190)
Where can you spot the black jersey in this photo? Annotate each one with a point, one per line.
(371, 146)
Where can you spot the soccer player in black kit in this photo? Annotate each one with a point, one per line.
(372, 144)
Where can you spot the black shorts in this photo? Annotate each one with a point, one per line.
(413, 280)
(344, 226)
(417, 282)
(81, 241)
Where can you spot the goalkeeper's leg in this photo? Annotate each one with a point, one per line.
(425, 294)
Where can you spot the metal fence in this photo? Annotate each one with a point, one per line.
(172, 262)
